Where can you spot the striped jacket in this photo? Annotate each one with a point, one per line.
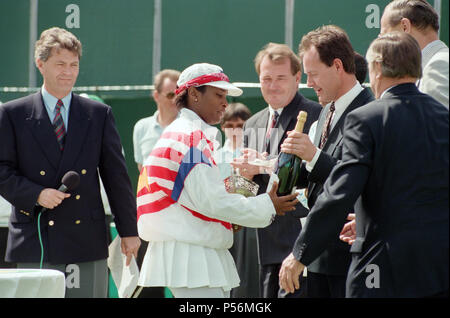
(181, 195)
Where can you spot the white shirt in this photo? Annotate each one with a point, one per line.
(385, 91)
(340, 105)
(146, 133)
(50, 105)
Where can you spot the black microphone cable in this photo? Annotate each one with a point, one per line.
(69, 182)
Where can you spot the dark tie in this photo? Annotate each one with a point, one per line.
(270, 129)
(327, 126)
(58, 125)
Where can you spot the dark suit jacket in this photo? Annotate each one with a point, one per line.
(335, 260)
(395, 155)
(30, 160)
(275, 241)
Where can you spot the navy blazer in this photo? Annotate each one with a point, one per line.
(275, 242)
(335, 260)
(395, 155)
(30, 160)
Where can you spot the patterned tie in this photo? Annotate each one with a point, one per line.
(326, 128)
(58, 125)
(270, 129)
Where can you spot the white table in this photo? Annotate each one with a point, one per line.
(31, 283)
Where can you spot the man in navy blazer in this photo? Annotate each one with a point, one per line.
(279, 73)
(329, 63)
(395, 155)
(34, 158)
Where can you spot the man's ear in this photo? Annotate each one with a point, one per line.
(155, 95)
(378, 72)
(406, 25)
(39, 64)
(298, 77)
(338, 64)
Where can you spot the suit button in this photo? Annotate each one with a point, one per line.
(77, 222)
(83, 171)
(51, 222)
(25, 212)
(77, 197)
(42, 173)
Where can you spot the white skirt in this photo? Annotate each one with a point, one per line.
(179, 264)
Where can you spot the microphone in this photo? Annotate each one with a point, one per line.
(69, 181)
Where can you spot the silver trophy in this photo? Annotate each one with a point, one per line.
(239, 184)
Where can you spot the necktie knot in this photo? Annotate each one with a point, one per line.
(332, 107)
(275, 116)
(59, 104)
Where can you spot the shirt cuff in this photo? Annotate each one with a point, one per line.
(310, 164)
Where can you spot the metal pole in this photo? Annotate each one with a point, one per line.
(32, 41)
(289, 22)
(156, 62)
(437, 7)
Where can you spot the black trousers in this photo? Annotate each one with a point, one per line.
(443, 294)
(326, 286)
(270, 287)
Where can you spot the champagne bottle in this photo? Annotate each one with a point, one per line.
(288, 165)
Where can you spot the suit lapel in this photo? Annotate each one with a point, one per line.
(261, 126)
(286, 117)
(320, 123)
(336, 133)
(77, 131)
(43, 131)
(283, 123)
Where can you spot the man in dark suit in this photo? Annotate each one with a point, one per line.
(395, 155)
(329, 63)
(279, 73)
(43, 136)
